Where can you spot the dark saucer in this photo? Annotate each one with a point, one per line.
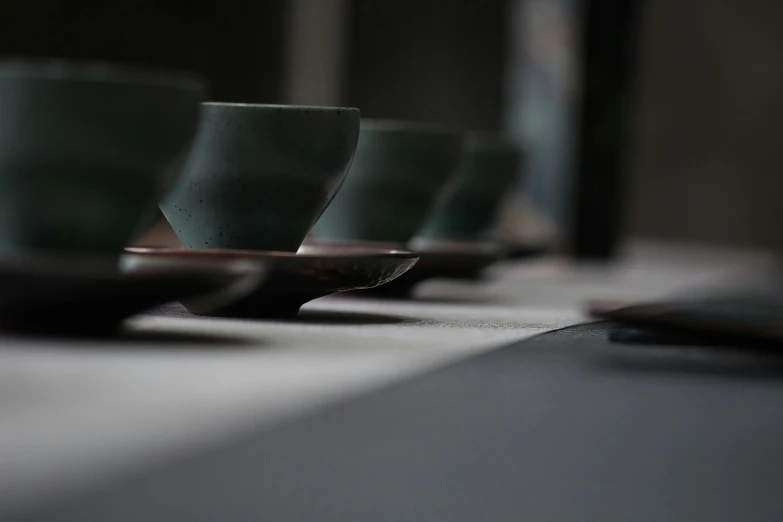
(442, 259)
(90, 295)
(296, 278)
(742, 319)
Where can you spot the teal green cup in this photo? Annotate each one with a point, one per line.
(86, 151)
(468, 208)
(259, 176)
(397, 172)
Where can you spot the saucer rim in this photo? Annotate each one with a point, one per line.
(267, 255)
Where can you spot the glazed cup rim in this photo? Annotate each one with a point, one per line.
(94, 71)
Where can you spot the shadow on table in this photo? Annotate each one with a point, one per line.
(140, 340)
(324, 317)
(144, 339)
(703, 364)
(430, 297)
(132, 338)
(341, 317)
(466, 300)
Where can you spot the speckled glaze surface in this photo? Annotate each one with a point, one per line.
(397, 173)
(259, 176)
(296, 278)
(92, 295)
(86, 150)
(468, 209)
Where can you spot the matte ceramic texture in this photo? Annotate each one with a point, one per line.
(467, 210)
(296, 278)
(441, 259)
(260, 176)
(86, 151)
(397, 173)
(87, 296)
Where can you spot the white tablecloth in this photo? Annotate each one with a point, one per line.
(78, 412)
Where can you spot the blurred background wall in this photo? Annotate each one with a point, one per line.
(235, 43)
(705, 160)
(708, 161)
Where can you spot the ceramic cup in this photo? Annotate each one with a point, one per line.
(396, 175)
(259, 176)
(86, 150)
(467, 210)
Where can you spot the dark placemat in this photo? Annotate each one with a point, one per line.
(563, 427)
(745, 309)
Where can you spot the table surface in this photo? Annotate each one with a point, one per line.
(77, 413)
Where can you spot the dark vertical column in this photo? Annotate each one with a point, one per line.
(609, 35)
